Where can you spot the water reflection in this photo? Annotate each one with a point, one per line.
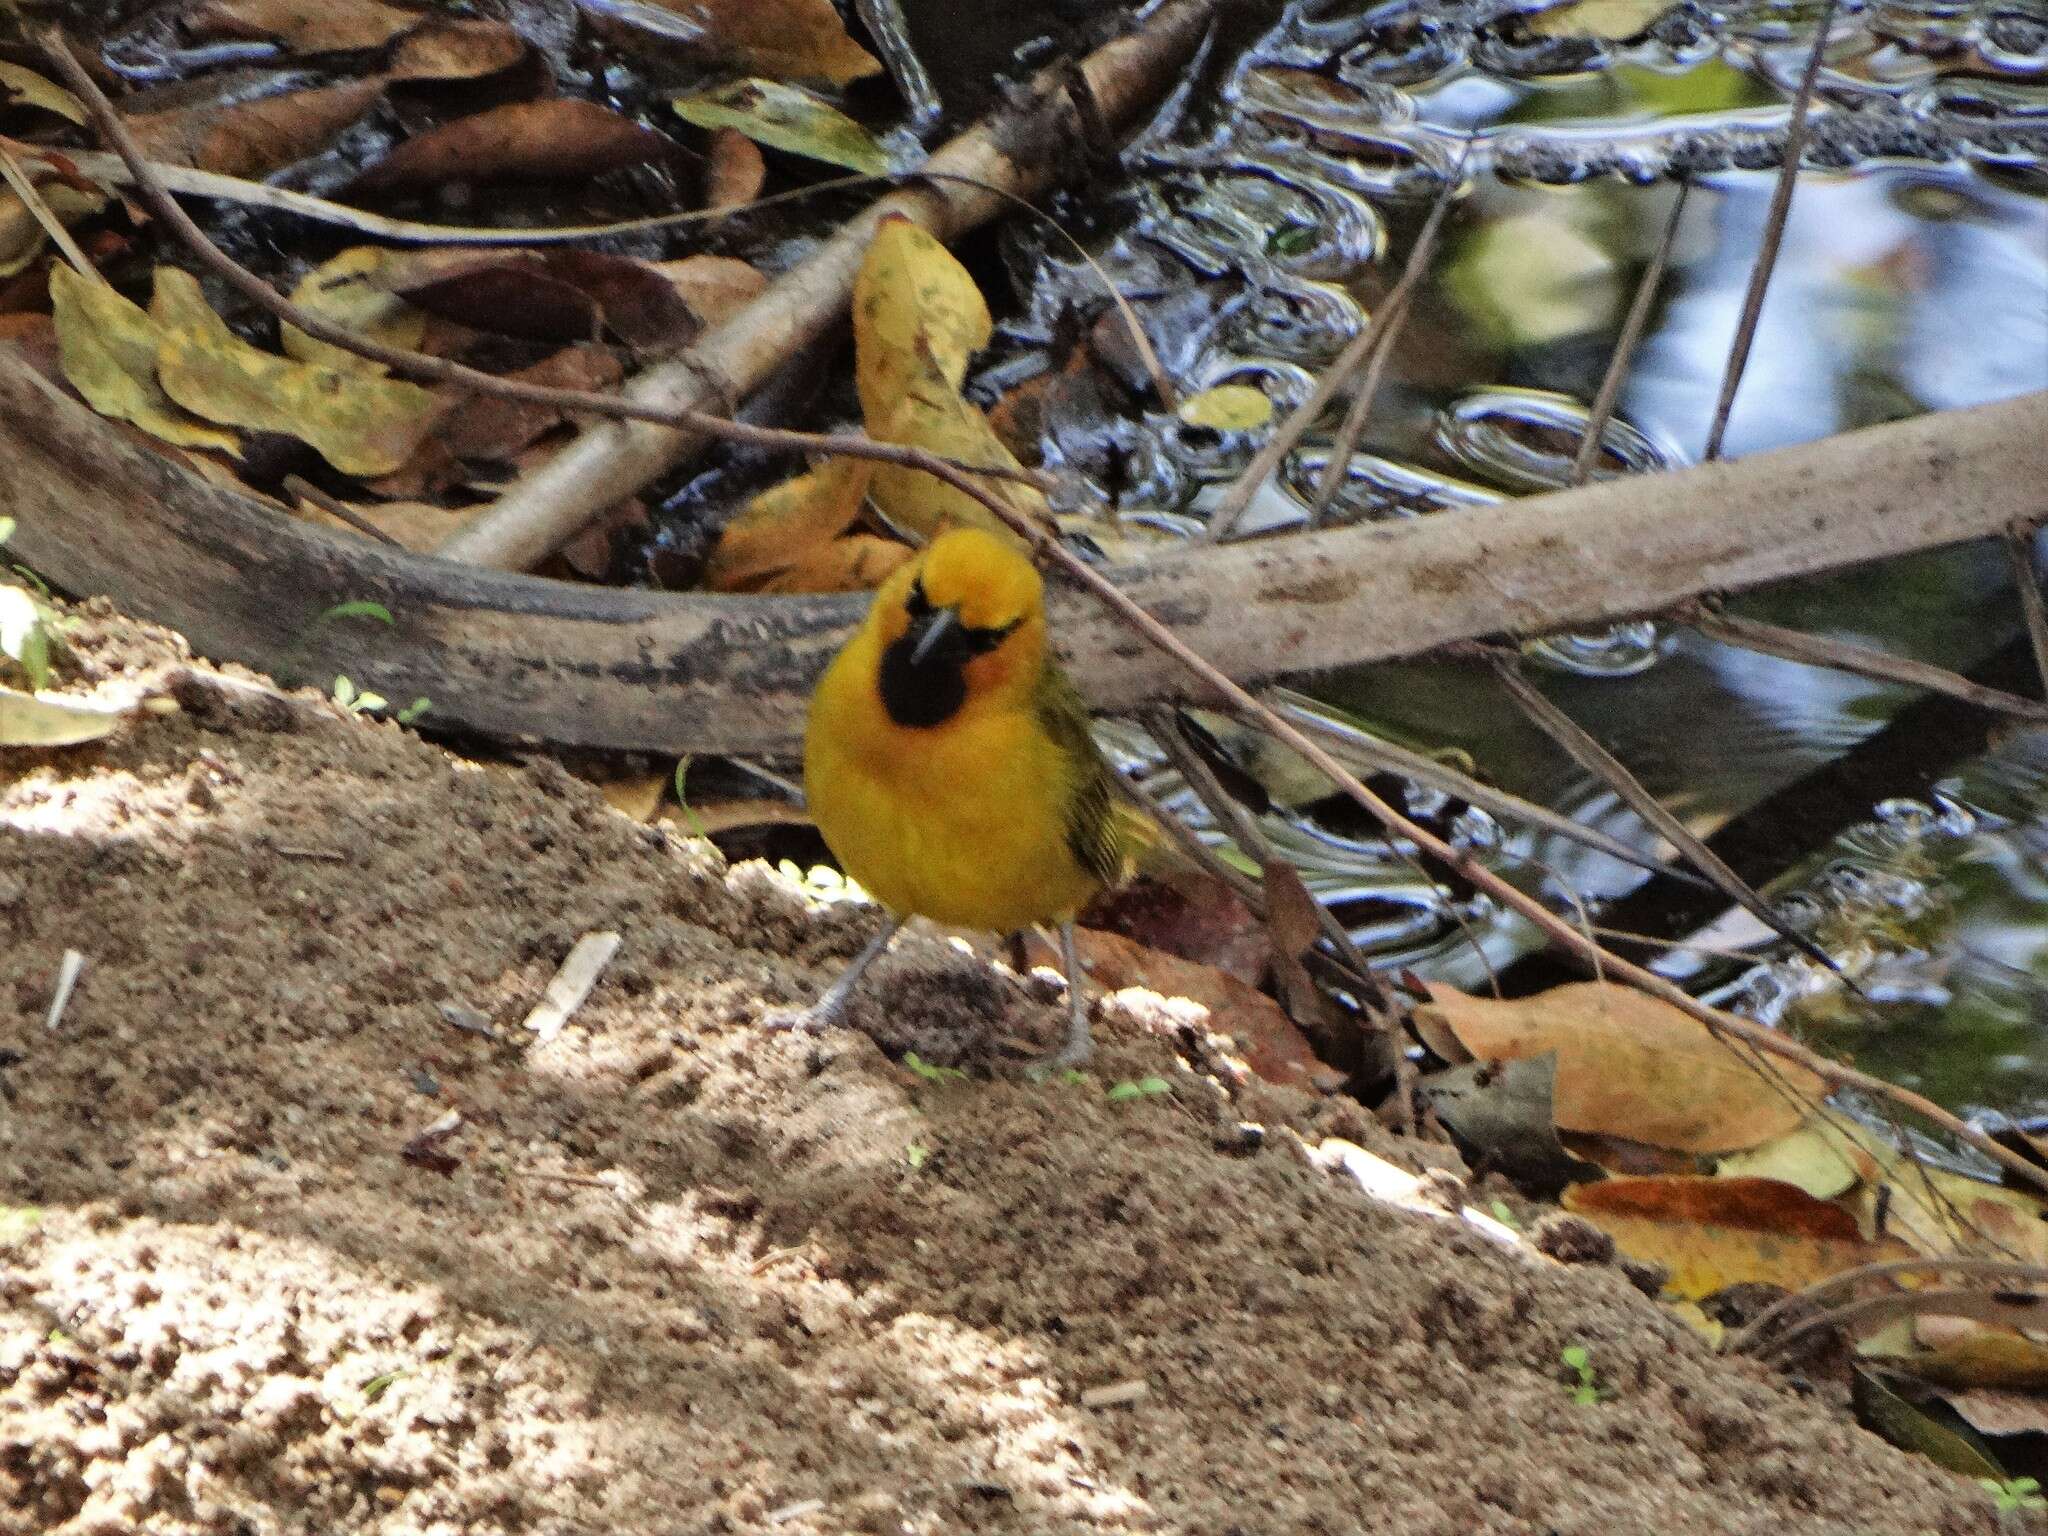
(1270, 207)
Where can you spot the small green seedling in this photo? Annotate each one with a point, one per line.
(1143, 1088)
(6, 529)
(346, 695)
(927, 1071)
(1072, 1075)
(413, 711)
(1504, 1216)
(696, 826)
(1588, 1391)
(2015, 1494)
(917, 1154)
(360, 608)
(377, 1386)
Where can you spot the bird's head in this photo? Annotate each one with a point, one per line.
(964, 620)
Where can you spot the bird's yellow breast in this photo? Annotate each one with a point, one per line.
(965, 822)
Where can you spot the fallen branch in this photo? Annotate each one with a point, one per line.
(521, 658)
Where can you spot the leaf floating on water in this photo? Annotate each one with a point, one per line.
(791, 39)
(787, 118)
(1631, 1065)
(1714, 1233)
(1614, 21)
(341, 289)
(1228, 408)
(21, 87)
(360, 423)
(109, 350)
(558, 139)
(29, 721)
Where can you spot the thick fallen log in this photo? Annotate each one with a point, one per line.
(523, 658)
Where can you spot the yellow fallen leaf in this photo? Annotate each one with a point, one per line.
(1227, 408)
(915, 308)
(340, 290)
(24, 87)
(934, 416)
(21, 235)
(27, 720)
(1821, 1157)
(1713, 1233)
(780, 527)
(108, 347)
(1614, 20)
(858, 562)
(1631, 1065)
(360, 423)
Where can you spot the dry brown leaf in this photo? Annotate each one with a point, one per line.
(254, 138)
(1270, 1043)
(791, 39)
(332, 26)
(491, 428)
(1631, 1065)
(444, 48)
(715, 287)
(734, 170)
(561, 138)
(1713, 1233)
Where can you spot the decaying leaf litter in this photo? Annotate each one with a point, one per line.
(214, 370)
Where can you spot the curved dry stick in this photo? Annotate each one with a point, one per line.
(1752, 1334)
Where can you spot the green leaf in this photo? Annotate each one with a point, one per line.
(917, 1154)
(1143, 1088)
(786, 118)
(927, 1071)
(344, 691)
(108, 348)
(413, 711)
(1228, 408)
(360, 608)
(368, 701)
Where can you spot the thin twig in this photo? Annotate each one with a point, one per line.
(1393, 316)
(1340, 372)
(1737, 1032)
(1589, 754)
(1163, 723)
(334, 506)
(2019, 550)
(1387, 757)
(1773, 236)
(419, 366)
(1861, 660)
(1625, 345)
(45, 215)
(1848, 1279)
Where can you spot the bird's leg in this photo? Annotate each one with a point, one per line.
(827, 1011)
(1079, 1044)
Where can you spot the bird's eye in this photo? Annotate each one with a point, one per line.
(917, 605)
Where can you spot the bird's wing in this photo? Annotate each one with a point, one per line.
(1097, 834)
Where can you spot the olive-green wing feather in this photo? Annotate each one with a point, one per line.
(1100, 835)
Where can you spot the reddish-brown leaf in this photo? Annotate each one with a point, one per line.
(557, 139)
(254, 138)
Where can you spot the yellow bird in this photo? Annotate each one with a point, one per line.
(949, 766)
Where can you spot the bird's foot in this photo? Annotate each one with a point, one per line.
(1073, 1053)
(814, 1020)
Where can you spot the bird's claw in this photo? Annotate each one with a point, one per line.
(800, 1021)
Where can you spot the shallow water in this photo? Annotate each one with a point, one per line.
(1271, 206)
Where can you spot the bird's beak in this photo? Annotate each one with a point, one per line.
(936, 628)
